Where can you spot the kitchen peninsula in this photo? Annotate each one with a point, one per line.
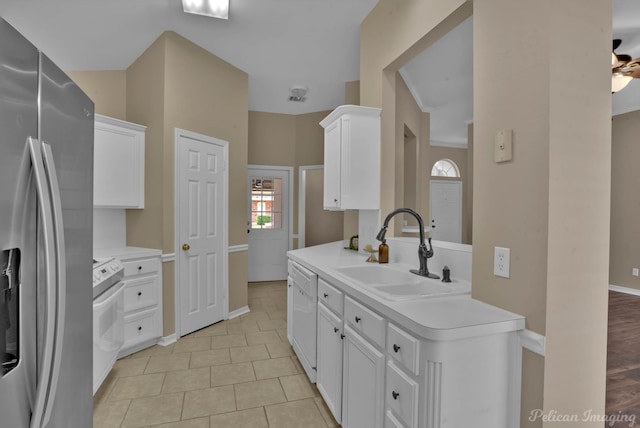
(396, 349)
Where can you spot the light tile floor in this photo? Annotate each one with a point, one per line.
(236, 373)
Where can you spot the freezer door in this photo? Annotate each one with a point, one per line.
(66, 125)
(18, 120)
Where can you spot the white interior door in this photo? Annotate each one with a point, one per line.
(201, 241)
(445, 204)
(268, 227)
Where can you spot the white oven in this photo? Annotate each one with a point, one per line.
(108, 317)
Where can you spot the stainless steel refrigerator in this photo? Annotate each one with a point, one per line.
(46, 220)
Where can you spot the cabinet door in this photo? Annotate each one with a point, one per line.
(332, 165)
(362, 383)
(118, 175)
(329, 363)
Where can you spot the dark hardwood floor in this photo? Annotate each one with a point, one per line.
(623, 357)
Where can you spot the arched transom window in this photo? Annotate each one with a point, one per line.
(445, 168)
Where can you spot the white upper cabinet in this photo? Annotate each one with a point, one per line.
(352, 158)
(118, 162)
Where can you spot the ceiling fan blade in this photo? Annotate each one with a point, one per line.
(616, 43)
(623, 58)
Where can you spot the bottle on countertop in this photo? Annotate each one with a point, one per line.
(383, 252)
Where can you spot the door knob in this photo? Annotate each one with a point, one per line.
(186, 247)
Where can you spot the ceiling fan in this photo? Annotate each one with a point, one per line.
(623, 68)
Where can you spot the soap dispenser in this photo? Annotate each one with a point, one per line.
(383, 252)
(446, 274)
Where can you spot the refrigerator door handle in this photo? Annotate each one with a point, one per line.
(61, 270)
(49, 365)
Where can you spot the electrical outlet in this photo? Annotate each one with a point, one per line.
(634, 272)
(501, 258)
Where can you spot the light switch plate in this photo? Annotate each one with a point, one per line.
(503, 145)
(501, 258)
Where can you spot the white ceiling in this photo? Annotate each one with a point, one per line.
(278, 43)
(441, 78)
(441, 81)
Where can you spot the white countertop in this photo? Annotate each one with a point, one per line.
(434, 318)
(126, 253)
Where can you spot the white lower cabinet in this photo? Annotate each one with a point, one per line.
(329, 363)
(373, 372)
(363, 383)
(142, 303)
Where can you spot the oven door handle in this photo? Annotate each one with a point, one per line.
(108, 296)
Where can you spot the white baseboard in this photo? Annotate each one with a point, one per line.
(167, 340)
(240, 311)
(625, 290)
(533, 341)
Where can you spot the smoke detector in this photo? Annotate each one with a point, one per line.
(297, 94)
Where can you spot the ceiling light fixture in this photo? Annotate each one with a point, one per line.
(619, 81)
(623, 68)
(297, 94)
(212, 8)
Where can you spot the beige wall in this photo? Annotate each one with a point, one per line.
(176, 84)
(321, 226)
(410, 121)
(625, 204)
(272, 139)
(546, 204)
(554, 196)
(287, 140)
(107, 89)
(351, 97)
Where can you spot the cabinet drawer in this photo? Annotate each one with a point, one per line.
(365, 321)
(403, 348)
(402, 395)
(141, 327)
(140, 293)
(330, 296)
(140, 267)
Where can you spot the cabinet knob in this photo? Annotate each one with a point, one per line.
(139, 267)
(396, 348)
(325, 295)
(140, 328)
(395, 395)
(139, 293)
(335, 200)
(186, 247)
(335, 329)
(342, 336)
(358, 318)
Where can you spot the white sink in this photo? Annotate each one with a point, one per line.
(379, 275)
(394, 284)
